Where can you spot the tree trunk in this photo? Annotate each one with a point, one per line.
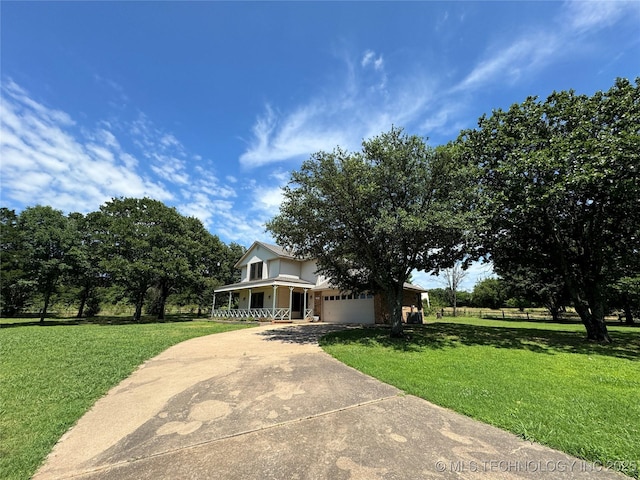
(628, 314)
(591, 311)
(555, 313)
(83, 302)
(138, 313)
(455, 303)
(164, 293)
(43, 313)
(394, 304)
(594, 323)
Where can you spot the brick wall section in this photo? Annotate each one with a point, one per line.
(409, 299)
(317, 304)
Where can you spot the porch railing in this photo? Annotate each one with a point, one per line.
(257, 313)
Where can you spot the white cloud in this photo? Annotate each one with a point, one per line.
(344, 115)
(239, 226)
(47, 161)
(369, 58)
(303, 131)
(267, 200)
(170, 169)
(582, 16)
(532, 51)
(509, 64)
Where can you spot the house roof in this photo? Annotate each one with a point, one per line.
(278, 250)
(415, 288)
(266, 282)
(275, 249)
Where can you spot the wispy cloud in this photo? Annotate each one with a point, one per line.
(583, 16)
(510, 64)
(47, 160)
(532, 51)
(44, 162)
(283, 137)
(370, 99)
(364, 104)
(369, 58)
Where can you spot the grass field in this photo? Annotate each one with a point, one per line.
(51, 374)
(541, 381)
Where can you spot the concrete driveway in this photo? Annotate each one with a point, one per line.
(268, 403)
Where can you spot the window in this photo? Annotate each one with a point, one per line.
(255, 271)
(257, 300)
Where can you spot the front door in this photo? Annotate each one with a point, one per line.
(296, 305)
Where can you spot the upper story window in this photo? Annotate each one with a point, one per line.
(255, 271)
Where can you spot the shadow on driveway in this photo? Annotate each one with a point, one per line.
(305, 334)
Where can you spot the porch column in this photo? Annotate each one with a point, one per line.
(304, 309)
(273, 303)
(249, 304)
(290, 301)
(213, 305)
(230, 295)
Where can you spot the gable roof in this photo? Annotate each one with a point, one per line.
(275, 249)
(278, 250)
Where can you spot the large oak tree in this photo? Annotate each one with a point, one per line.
(48, 238)
(561, 183)
(370, 218)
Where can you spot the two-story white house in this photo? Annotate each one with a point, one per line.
(277, 285)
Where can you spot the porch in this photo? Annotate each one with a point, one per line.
(264, 300)
(259, 313)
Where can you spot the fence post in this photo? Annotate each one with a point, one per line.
(503, 314)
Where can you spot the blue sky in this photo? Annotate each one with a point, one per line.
(207, 106)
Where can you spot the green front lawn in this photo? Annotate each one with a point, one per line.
(541, 381)
(50, 375)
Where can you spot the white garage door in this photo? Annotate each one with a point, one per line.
(339, 308)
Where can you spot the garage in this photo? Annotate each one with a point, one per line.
(345, 308)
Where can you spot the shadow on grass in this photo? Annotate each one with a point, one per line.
(448, 335)
(99, 320)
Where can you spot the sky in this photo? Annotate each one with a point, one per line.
(208, 106)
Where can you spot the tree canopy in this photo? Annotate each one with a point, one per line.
(47, 241)
(135, 245)
(370, 218)
(561, 187)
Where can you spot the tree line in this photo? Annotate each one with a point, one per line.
(548, 191)
(137, 250)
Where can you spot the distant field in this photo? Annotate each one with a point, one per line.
(541, 381)
(50, 375)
